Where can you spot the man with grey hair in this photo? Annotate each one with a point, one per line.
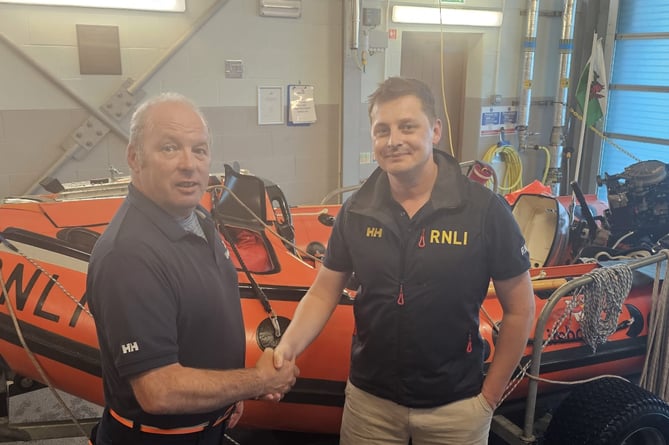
(165, 297)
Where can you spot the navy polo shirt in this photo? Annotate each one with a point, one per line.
(161, 295)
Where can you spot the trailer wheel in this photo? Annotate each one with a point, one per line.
(609, 411)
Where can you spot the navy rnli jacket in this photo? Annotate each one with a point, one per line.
(422, 282)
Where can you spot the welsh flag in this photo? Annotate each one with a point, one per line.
(598, 89)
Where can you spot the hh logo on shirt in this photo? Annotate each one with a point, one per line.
(374, 232)
(130, 347)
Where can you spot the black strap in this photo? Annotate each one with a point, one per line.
(254, 284)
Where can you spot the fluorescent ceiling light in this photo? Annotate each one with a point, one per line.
(449, 16)
(146, 5)
(280, 8)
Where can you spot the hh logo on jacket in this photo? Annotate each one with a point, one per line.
(436, 236)
(374, 232)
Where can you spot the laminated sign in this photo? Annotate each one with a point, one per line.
(301, 109)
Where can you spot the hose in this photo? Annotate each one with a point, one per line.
(544, 177)
(513, 175)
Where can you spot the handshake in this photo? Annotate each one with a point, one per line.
(278, 373)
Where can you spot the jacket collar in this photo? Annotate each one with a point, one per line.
(374, 195)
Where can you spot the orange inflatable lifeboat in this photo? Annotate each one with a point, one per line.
(46, 241)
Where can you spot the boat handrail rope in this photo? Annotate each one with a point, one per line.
(606, 282)
(573, 287)
(654, 376)
(339, 191)
(214, 190)
(264, 300)
(33, 359)
(50, 276)
(30, 354)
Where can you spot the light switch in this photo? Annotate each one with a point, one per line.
(234, 69)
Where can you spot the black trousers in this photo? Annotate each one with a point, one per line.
(111, 432)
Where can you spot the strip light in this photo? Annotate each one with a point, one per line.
(145, 5)
(449, 16)
(280, 8)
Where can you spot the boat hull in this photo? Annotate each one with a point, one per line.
(44, 260)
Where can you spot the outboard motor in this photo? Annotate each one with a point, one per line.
(638, 197)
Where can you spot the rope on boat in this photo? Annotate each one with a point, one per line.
(215, 190)
(252, 281)
(33, 359)
(46, 273)
(603, 302)
(29, 352)
(655, 376)
(522, 370)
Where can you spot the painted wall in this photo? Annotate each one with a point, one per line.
(44, 100)
(494, 67)
(38, 118)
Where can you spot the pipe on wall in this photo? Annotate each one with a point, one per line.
(529, 47)
(556, 145)
(355, 28)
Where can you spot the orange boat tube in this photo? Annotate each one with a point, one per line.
(46, 242)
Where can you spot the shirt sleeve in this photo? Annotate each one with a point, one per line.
(337, 255)
(507, 253)
(138, 310)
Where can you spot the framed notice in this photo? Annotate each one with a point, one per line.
(270, 105)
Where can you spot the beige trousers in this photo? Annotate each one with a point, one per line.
(370, 420)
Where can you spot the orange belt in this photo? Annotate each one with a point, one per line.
(179, 430)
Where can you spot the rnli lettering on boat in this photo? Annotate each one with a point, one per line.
(452, 237)
(36, 286)
(374, 232)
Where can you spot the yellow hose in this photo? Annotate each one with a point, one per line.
(513, 176)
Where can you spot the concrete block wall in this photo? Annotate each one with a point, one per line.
(37, 115)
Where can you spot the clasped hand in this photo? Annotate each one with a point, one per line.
(277, 379)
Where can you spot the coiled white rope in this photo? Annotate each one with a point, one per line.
(603, 302)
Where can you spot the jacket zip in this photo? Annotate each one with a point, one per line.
(421, 244)
(421, 240)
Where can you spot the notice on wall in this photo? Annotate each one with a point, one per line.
(270, 105)
(495, 118)
(302, 109)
